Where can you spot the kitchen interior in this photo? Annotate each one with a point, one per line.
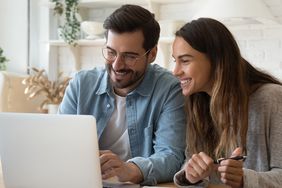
(29, 38)
(29, 35)
(31, 42)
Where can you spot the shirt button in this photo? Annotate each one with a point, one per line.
(131, 131)
(108, 105)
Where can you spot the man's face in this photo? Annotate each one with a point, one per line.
(128, 68)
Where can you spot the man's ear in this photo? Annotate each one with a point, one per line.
(153, 54)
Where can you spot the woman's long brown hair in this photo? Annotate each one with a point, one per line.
(217, 124)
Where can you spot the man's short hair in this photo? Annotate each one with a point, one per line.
(130, 18)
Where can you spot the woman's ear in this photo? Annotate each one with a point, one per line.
(152, 54)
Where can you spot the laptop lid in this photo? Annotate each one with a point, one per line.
(49, 151)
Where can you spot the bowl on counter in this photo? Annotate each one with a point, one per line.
(92, 29)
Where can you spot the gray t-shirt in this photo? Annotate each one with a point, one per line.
(263, 166)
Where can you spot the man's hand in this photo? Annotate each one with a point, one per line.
(231, 171)
(198, 167)
(112, 166)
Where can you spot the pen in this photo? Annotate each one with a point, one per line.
(237, 158)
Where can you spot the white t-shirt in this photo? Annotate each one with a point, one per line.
(115, 136)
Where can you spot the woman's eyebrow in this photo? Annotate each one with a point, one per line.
(184, 55)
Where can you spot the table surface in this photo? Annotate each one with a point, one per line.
(1, 177)
(168, 185)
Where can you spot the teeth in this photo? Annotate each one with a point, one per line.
(185, 81)
(121, 73)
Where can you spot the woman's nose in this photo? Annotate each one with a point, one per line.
(176, 70)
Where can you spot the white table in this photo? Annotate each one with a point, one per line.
(1, 177)
(160, 186)
(165, 185)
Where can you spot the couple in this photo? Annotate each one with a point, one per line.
(230, 108)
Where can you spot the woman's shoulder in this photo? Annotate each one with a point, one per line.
(269, 89)
(268, 93)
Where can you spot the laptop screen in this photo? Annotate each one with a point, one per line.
(43, 151)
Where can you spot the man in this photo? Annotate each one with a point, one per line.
(138, 106)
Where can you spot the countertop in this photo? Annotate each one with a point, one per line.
(167, 185)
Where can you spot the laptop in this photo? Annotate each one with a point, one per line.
(49, 151)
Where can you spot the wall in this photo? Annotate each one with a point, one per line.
(13, 33)
(261, 45)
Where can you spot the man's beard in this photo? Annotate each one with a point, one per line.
(135, 77)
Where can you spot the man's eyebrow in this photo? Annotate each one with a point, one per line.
(132, 53)
(110, 48)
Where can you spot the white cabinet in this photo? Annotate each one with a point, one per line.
(57, 56)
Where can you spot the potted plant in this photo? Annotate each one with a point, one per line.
(39, 84)
(70, 30)
(3, 60)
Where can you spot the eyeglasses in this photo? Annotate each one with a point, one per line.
(128, 58)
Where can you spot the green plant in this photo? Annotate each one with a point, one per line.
(70, 30)
(3, 60)
(58, 8)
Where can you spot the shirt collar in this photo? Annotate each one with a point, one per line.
(104, 84)
(147, 84)
(144, 88)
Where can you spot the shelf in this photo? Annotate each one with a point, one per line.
(100, 42)
(167, 1)
(114, 3)
(111, 3)
(83, 42)
(107, 3)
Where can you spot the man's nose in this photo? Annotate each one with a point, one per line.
(118, 63)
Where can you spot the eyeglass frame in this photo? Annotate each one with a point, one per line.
(124, 55)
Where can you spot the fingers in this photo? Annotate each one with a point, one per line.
(198, 167)
(101, 152)
(228, 178)
(231, 172)
(106, 155)
(110, 164)
(237, 152)
(198, 164)
(233, 184)
(109, 173)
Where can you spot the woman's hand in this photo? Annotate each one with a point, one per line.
(198, 167)
(231, 171)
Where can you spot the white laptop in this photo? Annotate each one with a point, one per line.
(49, 151)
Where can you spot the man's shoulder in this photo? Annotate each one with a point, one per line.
(90, 79)
(91, 75)
(161, 74)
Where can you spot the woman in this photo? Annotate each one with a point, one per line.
(233, 110)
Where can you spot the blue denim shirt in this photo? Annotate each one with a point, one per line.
(154, 114)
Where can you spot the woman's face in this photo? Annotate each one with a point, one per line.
(192, 68)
